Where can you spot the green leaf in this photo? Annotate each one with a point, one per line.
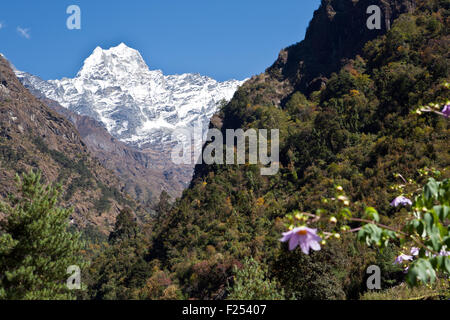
(442, 211)
(387, 235)
(447, 264)
(428, 218)
(372, 214)
(371, 234)
(437, 262)
(435, 239)
(418, 226)
(421, 270)
(431, 189)
(446, 241)
(346, 213)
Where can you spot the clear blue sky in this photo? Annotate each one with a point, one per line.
(223, 39)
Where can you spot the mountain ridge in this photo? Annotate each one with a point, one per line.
(136, 105)
(116, 88)
(132, 165)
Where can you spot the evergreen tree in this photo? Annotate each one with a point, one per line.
(119, 270)
(163, 206)
(125, 228)
(36, 247)
(252, 283)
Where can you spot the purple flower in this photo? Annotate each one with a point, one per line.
(444, 253)
(401, 200)
(304, 237)
(446, 110)
(403, 257)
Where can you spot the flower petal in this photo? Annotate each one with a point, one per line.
(293, 242)
(286, 237)
(304, 245)
(314, 245)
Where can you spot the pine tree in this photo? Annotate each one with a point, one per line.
(163, 206)
(121, 268)
(125, 228)
(36, 247)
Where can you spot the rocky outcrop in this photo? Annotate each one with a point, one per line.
(337, 32)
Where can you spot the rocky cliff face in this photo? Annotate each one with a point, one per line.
(337, 32)
(32, 136)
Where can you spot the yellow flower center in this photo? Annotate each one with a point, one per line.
(302, 232)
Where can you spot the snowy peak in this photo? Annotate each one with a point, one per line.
(120, 60)
(136, 105)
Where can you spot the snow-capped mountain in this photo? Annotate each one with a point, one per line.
(138, 106)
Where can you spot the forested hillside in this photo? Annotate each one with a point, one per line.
(358, 131)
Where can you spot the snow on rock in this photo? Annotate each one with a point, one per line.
(136, 105)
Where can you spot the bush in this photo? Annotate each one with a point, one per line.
(252, 283)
